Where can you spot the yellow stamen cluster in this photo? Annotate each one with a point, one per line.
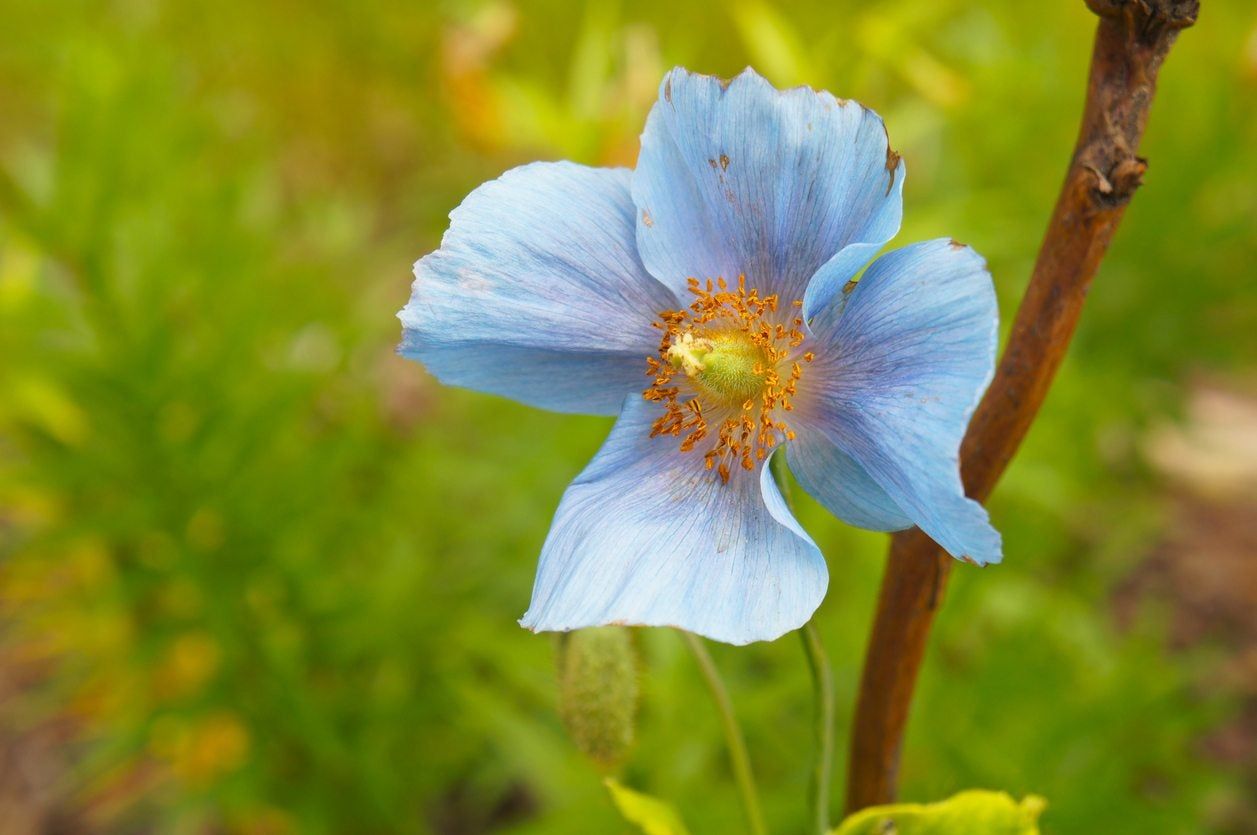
(726, 369)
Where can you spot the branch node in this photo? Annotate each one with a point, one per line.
(1146, 14)
(1115, 187)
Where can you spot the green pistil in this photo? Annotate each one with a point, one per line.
(724, 364)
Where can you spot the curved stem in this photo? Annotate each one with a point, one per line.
(738, 756)
(1131, 43)
(823, 692)
(822, 687)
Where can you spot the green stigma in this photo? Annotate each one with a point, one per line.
(728, 365)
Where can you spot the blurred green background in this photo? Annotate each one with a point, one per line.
(261, 576)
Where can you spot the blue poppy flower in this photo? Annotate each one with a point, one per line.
(709, 299)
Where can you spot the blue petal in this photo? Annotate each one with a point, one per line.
(647, 536)
(840, 484)
(739, 178)
(537, 292)
(900, 370)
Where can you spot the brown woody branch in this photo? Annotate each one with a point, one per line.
(1132, 40)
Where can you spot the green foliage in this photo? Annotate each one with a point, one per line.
(651, 815)
(268, 573)
(598, 691)
(974, 812)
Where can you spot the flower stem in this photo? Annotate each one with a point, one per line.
(738, 756)
(822, 688)
(823, 692)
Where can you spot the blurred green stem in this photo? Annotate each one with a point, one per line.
(738, 756)
(823, 692)
(822, 688)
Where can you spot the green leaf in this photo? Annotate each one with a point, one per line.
(652, 815)
(975, 812)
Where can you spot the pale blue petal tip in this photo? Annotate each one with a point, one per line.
(647, 536)
(738, 178)
(537, 292)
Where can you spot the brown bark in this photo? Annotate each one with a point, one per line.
(1132, 40)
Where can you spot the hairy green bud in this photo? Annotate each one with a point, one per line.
(598, 691)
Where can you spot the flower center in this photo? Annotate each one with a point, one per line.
(727, 368)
